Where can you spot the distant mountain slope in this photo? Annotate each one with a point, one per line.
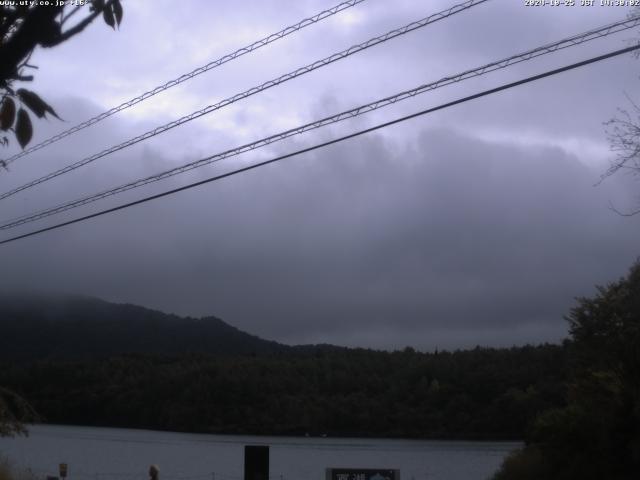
(76, 367)
(38, 327)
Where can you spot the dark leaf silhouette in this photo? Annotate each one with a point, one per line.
(25, 26)
(24, 129)
(7, 113)
(35, 103)
(107, 14)
(96, 5)
(117, 10)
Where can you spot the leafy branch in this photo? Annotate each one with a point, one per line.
(22, 29)
(15, 411)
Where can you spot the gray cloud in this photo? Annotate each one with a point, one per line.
(440, 243)
(476, 225)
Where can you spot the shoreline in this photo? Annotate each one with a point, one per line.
(467, 439)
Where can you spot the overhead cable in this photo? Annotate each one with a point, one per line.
(354, 112)
(252, 91)
(188, 76)
(330, 142)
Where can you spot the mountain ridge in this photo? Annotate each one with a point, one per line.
(75, 326)
(89, 362)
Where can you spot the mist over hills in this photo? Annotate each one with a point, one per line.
(84, 361)
(77, 327)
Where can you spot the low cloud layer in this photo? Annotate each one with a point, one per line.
(449, 242)
(475, 225)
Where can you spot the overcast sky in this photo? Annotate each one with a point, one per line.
(478, 224)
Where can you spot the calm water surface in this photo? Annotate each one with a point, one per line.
(120, 454)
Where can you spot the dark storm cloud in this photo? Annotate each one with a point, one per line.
(451, 242)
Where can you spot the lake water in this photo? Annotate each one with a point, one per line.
(120, 454)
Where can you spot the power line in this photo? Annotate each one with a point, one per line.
(354, 112)
(330, 142)
(188, 76)
(252, 91)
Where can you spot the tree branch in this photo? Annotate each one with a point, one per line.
(35, 29)
(623, 214)
(70, 14)
(40, 27)
(79, 27)
(15, 411)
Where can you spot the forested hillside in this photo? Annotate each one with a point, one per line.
(85, 361)
(38, 327)
(480, 393)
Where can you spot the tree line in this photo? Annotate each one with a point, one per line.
(596, 434)
(484, 393)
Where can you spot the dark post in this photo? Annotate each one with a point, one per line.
(154, 471)
(256, 462)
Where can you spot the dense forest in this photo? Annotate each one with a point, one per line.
(480, 393)
(597, 434)
(577, 405)
(80, 360)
